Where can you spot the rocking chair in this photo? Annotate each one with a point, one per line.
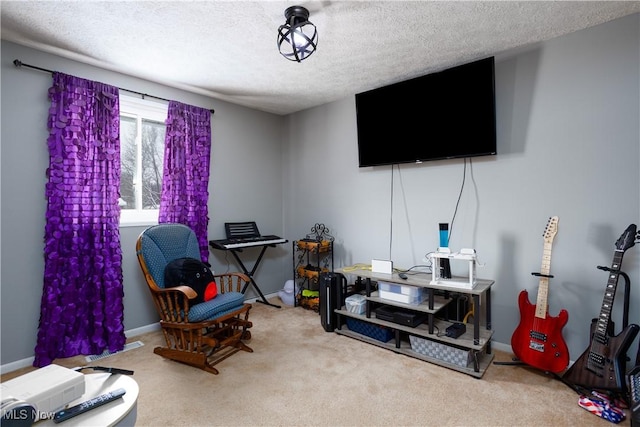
(202, 334)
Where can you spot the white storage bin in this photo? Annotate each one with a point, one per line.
(355, 303)
(404, 298)
(399, 289)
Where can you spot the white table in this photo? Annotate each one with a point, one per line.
(121, 412)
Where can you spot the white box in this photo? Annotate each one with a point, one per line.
(381, 266)
(400, 289)
(46, 389)
(355, 304)
(407, 299)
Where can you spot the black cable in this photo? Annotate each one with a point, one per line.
(391, 214)
(19, 64)
(464, 179)
(409, 270)
(105, 369)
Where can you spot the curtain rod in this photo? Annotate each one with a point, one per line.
(19, 63)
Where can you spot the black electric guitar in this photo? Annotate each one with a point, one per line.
(603, 364)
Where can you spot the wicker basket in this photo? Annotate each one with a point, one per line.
(441, 351)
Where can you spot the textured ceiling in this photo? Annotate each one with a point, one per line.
(227, 49)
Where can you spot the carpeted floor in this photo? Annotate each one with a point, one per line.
(300, 375)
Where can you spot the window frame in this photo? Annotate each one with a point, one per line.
(141, 109)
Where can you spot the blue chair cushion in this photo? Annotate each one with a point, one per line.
(220, 305)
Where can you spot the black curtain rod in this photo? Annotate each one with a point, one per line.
(19, 63)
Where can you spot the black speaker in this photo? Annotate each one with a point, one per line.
(333, 290)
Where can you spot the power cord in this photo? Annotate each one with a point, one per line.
(437, 331)
(105, 369)
(413, 273)
(470, 313)
(455, 211)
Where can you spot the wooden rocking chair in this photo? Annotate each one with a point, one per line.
(202, 334)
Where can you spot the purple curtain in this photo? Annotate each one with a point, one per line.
(186, 170)
(82, 300)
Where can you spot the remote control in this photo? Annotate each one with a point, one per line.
(65, 414)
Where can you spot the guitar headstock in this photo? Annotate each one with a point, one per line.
(551, 229)
(628, 238)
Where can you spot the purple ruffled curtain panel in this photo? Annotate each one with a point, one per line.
(82, 300)
(186, 170)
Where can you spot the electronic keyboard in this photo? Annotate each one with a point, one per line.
(245, 235)
(246, 242)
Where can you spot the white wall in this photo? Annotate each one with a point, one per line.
(568, 145)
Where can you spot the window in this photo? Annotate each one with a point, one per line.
(142, 132)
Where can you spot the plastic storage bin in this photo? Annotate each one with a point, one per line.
(401, 293)
(399, 289)
(355, 304)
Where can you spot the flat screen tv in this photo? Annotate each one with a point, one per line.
(445, 115)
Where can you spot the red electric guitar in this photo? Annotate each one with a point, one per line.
(603, 363)
(537, 341)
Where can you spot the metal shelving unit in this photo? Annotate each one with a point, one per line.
(312, 256)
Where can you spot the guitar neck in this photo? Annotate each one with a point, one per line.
(543, 286)
(600, 333)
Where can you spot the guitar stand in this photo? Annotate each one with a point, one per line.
(516, 362)
(625, 311)
(638, 357)
(627, 290)
(550, 276)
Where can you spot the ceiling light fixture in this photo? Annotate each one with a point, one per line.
(297, 38)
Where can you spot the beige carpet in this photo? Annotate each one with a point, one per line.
(300, 375)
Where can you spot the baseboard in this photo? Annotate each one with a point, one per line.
(14, 366)
(142, 330)
(252, 300)
(502, 347)
(24, 363)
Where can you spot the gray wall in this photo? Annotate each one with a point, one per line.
(568, 143)
(246, 172)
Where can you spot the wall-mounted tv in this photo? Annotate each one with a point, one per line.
(445, 115)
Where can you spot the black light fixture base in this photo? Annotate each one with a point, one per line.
(297, 12)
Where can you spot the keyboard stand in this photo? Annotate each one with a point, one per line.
(234, 252)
